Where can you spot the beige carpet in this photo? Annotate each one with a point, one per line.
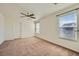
(32, 47)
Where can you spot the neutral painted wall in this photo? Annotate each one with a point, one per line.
(49, 30)
(11, 13)
(27, 28)
(2, 25)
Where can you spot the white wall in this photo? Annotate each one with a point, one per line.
(2, 25)
(49, 30)
(27, 28)
(11, 13)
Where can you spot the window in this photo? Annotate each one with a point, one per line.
(37, 27)
(68, 25)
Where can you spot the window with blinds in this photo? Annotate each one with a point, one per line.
(68, 25)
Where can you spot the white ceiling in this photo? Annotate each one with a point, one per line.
(42, 9)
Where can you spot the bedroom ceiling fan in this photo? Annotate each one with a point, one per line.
(27, 15)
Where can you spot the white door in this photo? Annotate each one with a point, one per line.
(1, 29)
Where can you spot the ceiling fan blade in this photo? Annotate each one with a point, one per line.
(33, 17)
(28, 15)
(23, 14)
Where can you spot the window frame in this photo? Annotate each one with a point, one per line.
(36, 30)
(75, 12)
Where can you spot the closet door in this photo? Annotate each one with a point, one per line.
(16, 30)
(2, 37)
(23, 29)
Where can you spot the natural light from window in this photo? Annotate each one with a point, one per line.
(38, 27)
(68, 25)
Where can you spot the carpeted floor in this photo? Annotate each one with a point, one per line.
(32, 47)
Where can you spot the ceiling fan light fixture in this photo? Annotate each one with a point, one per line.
(28, 15)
